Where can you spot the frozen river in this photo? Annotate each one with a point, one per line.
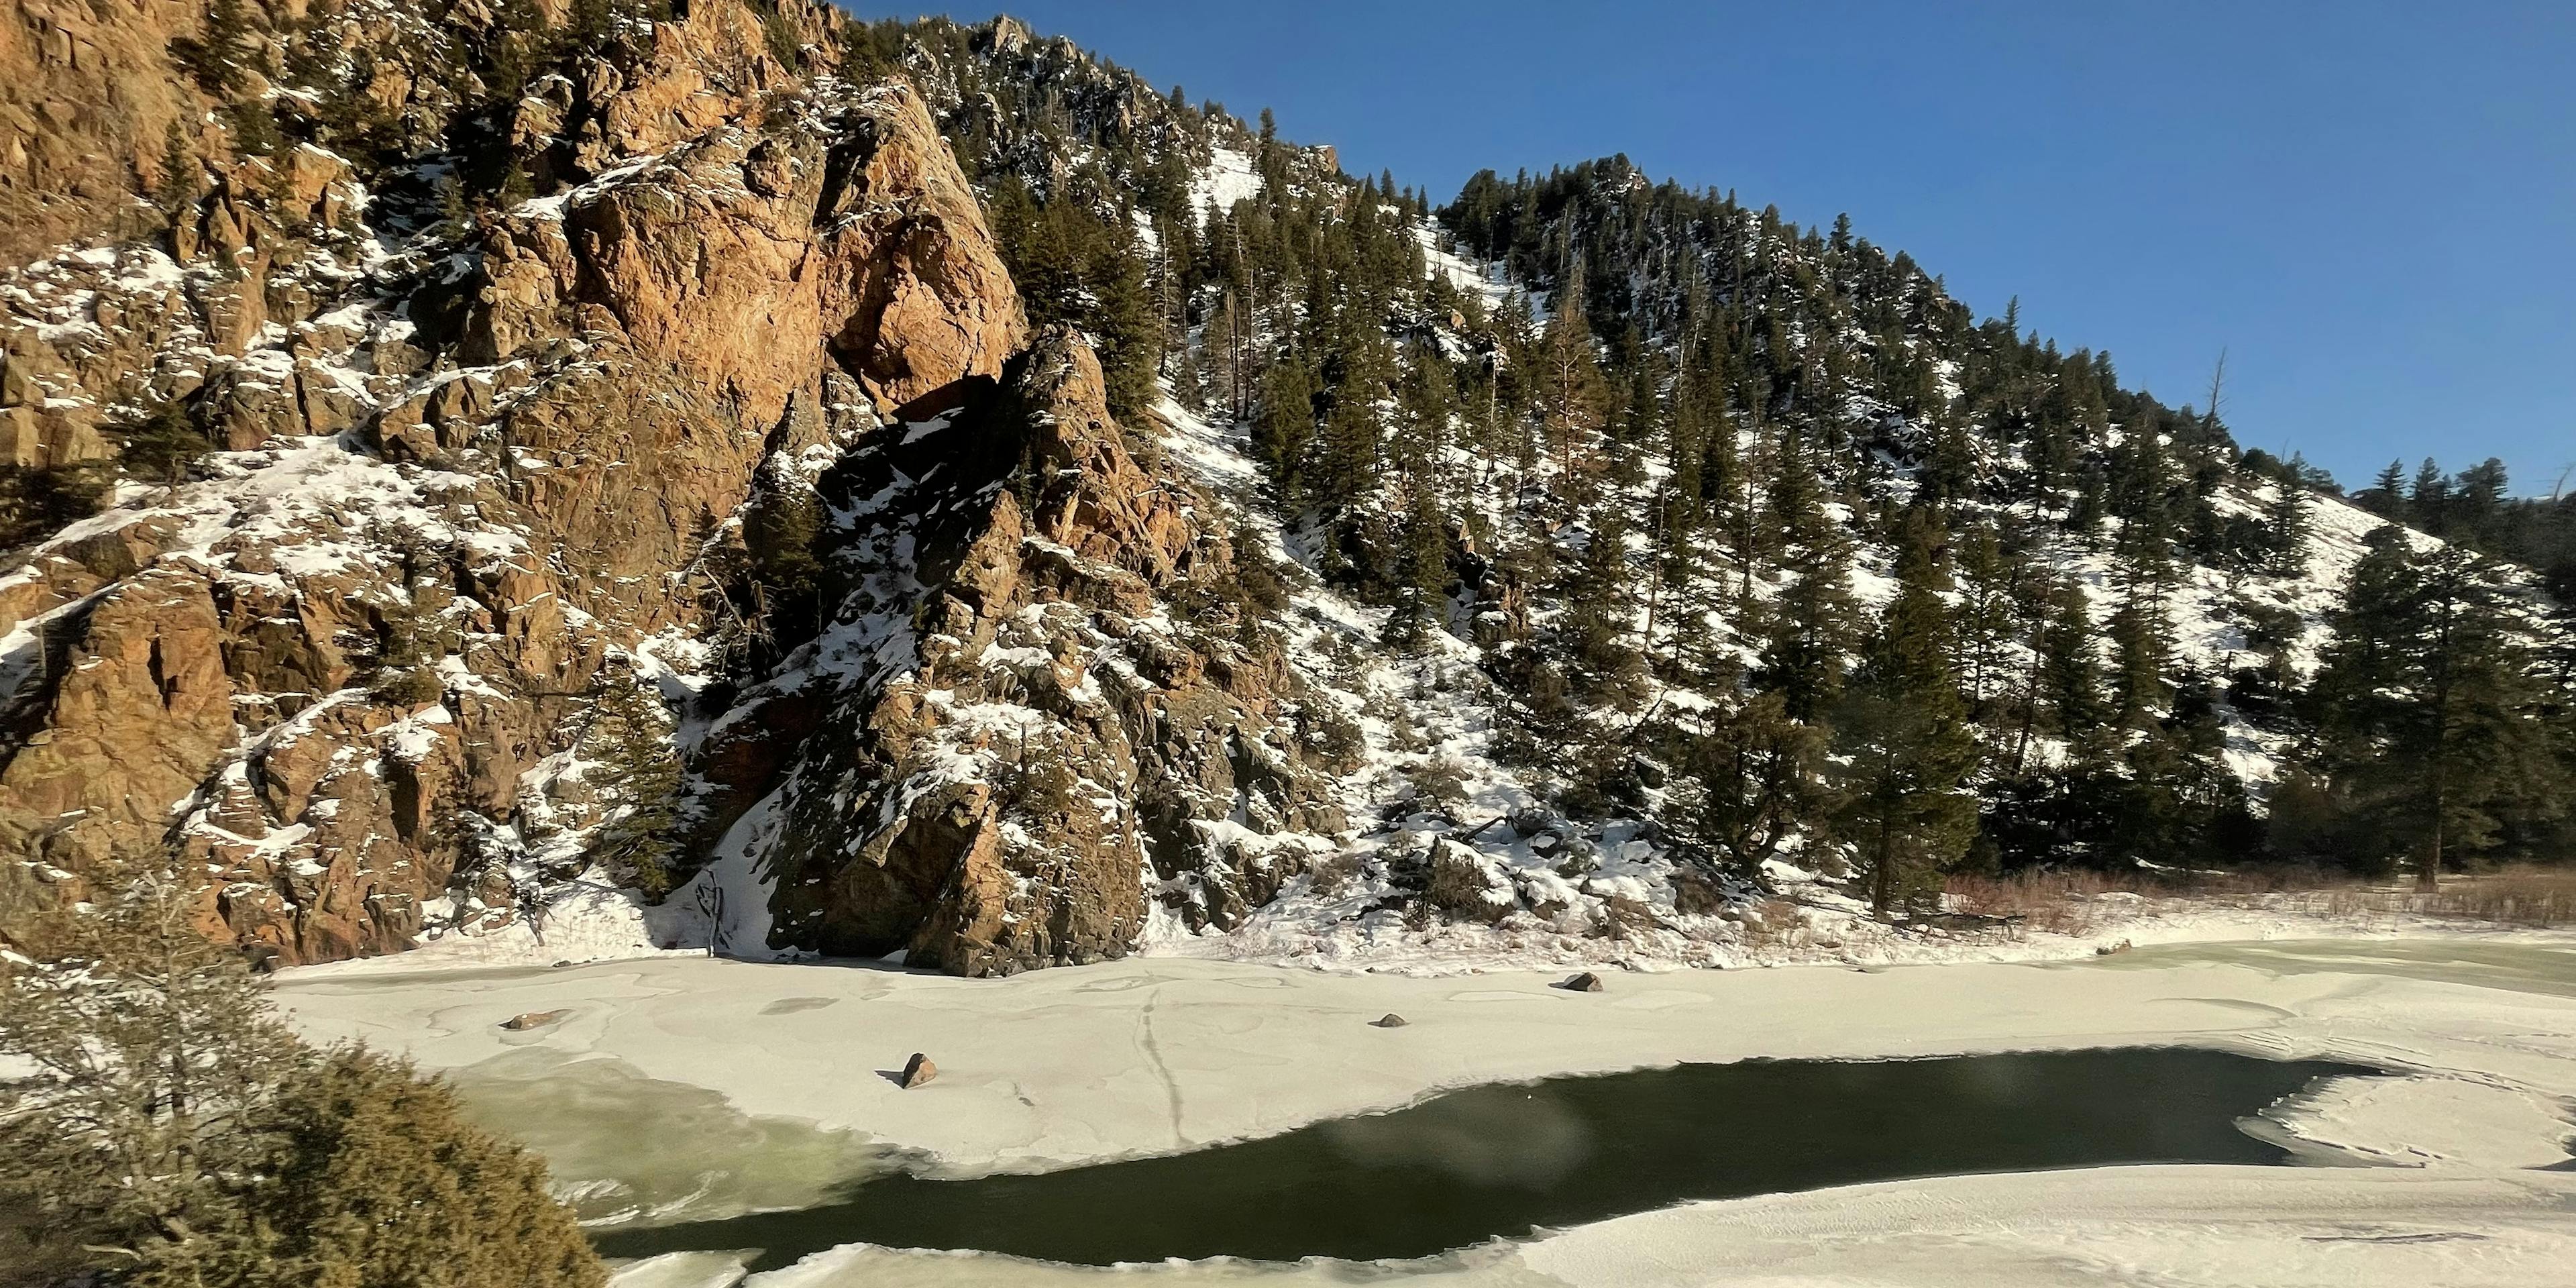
(683, 1093)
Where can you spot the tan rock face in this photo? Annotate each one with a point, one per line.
(86, 102)
(92, 98)
(939, 306)
(140, 707)
(747, 255)
(546, 448)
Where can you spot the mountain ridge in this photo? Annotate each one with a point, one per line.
(879, 488)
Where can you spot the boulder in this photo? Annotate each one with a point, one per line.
(1587, 982)
(917, 1071)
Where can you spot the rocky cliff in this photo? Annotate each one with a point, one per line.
(470, 465)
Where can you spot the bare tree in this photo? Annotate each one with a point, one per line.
(2217, 384)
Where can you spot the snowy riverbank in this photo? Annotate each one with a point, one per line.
(1805, 922)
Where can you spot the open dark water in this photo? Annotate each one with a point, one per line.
(1497, 1161)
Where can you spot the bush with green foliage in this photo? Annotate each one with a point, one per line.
(36, 503)
(163, 446)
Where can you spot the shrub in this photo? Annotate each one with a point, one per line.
(377, 1181)
(1335, 874)
(1329, 734)
(1440, 778)
(170, 1132)
(163, 446)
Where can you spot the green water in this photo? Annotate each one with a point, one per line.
(2520, 968)
(625, 1147)
(1499, 1161)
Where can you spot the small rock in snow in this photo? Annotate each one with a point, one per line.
(1390, 1020)
(533, 1019)
(917, 1071)
(1587, 982)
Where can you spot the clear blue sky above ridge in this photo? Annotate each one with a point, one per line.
(2371, 206)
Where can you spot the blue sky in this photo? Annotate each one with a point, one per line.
(2371, 207)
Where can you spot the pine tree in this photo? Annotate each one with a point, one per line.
(2428, 501)
(1422, 572)
(149, 1045)
(36, 503)
(2092, 503)
(2141, 633)
(1129, 326)
(175, 192)
(627, 740)
(2138, 649)
(2477, 502)
(2364, 656)
(2070, 668)
(1600, 619)
(1350, 443)
(2387, 494)
(1809, 636)
(1285, 430)
(2428, 709)
(1572, 375)
(213, 55)
(1989, 578)
(781, 532)
(2285, 529)
(1902, 746)
(1949, 470)
(380, 1181)
(1747, 781)
(2177, 796)
(591, 19)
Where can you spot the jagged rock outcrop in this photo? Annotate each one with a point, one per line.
(1023, 752)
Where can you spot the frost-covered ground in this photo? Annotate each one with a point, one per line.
(1811, 923)
(2451, 1173)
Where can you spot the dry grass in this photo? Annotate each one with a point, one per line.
(2523, 897)
(2064, 903)
(1773, 924)
(1626, 918)
(1335, 874)
(2073, 902)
